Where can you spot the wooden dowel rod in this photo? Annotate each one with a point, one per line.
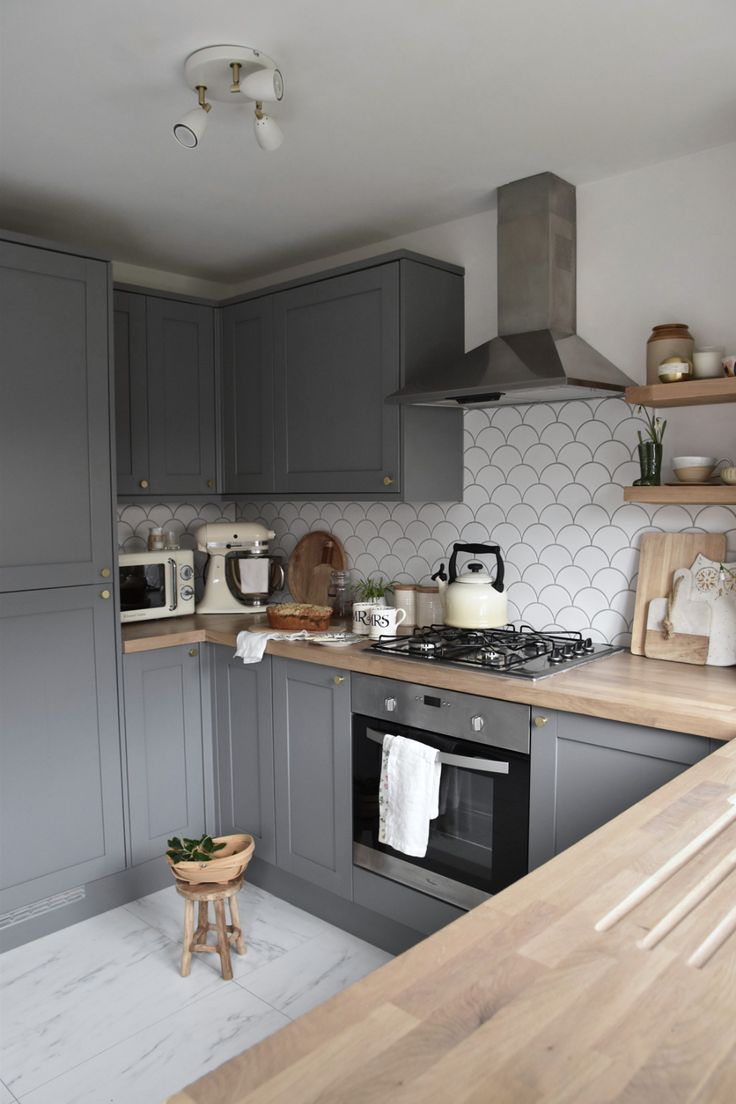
(717, 938)
(660, 876)
(697, 894)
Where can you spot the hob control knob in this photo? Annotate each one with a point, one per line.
(185, 571)
(477, 723)
(567, 651)
(186, 593)
(390, 705)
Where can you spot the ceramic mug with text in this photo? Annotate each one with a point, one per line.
(384, 621)
(361, 613)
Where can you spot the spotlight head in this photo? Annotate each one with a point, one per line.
(269, 134)
(263, 85)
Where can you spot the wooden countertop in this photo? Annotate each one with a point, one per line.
(522, 1000)
(623, 687)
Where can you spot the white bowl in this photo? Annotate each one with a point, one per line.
(693, 462)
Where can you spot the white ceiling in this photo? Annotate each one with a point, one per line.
(398, 114)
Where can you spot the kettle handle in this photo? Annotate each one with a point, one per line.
(478, 550)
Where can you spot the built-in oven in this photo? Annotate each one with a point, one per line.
(478, 844)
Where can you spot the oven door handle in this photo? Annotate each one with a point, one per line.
(465, 762)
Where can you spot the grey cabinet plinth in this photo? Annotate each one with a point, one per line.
(181, 397)
(244, 749)
(131, 392)
(586, 770)
(163, 725)
(311, 713)
(61, 804)
(248, 398)
(55, 494)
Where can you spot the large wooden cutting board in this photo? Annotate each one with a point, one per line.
(311, 565)
(660, 556)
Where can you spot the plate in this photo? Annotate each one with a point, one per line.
(336, 639)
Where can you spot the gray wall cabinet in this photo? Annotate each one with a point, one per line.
(163, 725)
(248, 398)
(61, 802)
(585, 771)
(55, 494)
(131, 391)
(166, 392)
(311, 714)
(244, 749)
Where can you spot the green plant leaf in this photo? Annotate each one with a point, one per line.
(218, 846)
(207, 844)
(201, 856)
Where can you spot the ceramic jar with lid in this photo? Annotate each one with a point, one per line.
(405, 597)
(430, 607)
(673, 339)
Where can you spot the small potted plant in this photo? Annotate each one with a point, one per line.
(650, 450)
(213, 860)
(374, 590)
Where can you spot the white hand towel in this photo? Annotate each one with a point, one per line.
(253, 576)
(408, 796)
(250, 646)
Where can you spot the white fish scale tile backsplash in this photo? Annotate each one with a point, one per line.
(544, 482)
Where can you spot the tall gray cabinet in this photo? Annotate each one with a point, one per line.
(61, 801)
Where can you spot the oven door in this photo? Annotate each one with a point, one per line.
(148, 589)
(479, 842)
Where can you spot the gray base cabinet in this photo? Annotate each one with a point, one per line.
(244, 779)
(311, 716)
(163, 724)
(585, 771)
(61, 800)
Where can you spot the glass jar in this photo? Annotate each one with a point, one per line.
(156, 540)
(341, 594)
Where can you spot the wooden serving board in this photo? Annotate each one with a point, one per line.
(309, 572)
(691, 622)
(660, 556)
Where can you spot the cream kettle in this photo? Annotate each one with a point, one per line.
(473, 600)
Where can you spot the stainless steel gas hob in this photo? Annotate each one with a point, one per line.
(517, 652)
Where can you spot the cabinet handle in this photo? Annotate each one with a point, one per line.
(105, 572)
(387, 481)
(194, 651)
(540, 722)
(210, 482)
(104, 594)
(337, 679)
(144, 484)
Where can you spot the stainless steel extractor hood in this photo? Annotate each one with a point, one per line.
(537, 357)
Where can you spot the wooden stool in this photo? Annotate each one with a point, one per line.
(197, 940)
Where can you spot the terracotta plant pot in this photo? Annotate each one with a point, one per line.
(229, 863)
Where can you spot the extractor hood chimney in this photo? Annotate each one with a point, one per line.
(537, 357)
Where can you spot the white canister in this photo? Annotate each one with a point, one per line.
(384, 621)
(405, 598)
(430, 607)
(361, 614)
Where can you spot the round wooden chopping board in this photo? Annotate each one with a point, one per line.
(311, 564)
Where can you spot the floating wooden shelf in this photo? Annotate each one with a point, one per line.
(690, 393)
(717, 495)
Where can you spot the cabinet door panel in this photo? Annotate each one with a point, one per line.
(181, 397)
(244, 743)
(61, 805)
(336, 358)
(54, 419)
(313, 782)
(163, 725)
(131, 392)
(247, 393)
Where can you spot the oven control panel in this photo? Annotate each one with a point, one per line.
(465, 716)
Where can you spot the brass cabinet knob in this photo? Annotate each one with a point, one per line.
(210, 482)
(194, 651)
(144, 484)
(337, 679)
(105, 572)
(540, 722)
(387, 481)
(104, 594)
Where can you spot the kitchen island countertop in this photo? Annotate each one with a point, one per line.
(522, 1000)
(623, 687)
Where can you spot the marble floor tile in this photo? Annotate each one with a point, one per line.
(164, 1057)
(311, 973)
(271, 926)
(74, 993)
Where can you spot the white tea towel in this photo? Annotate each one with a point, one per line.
(253, 575)
(250, 646)
(408, 795)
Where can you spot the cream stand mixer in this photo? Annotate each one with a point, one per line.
(241, 574)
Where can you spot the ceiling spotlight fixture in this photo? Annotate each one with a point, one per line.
(269, 134)
(232, 74)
